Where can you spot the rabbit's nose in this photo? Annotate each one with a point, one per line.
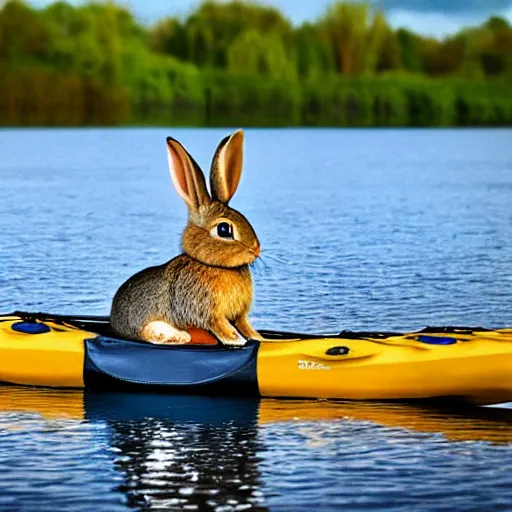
(257, 251)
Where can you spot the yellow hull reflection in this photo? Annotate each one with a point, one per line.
(470, 423)
(456, 424)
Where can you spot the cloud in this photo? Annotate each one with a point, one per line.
(434, 24)
(441, 23)
(467, 7)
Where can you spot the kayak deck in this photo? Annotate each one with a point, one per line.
(471, 364)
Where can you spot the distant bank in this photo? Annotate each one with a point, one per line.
(245, 64)
(33, 98)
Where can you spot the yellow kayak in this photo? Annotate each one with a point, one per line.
(466, 364)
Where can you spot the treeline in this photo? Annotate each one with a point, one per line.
(237, 63)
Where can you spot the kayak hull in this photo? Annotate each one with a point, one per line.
(479, 371)
(464, 364)
(54, 358)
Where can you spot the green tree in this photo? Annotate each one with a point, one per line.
(169, 36)
(256, 53)
(356, 34)
(496, 55)
(24, 35)
(313, 54)
(213, 27)
(377, 35)
(409, 45)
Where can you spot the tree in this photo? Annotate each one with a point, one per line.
(376, 35)
(313, 54)
(496, 55)
(217, 25)
(356, 33)
(24, 36)
(255, 53)
(170, 37)
(410, 53)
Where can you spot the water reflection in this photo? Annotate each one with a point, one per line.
(455, 422)
(182, 451)
(198, 453)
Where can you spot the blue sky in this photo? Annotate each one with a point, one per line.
(432, 17)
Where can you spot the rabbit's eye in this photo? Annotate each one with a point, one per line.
(225, 230)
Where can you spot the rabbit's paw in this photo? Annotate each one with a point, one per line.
(238, 342)
(164, 333)
(227, 334)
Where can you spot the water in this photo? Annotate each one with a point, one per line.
(360, 229)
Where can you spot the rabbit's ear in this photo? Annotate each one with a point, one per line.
(227, 167)
(187, 177)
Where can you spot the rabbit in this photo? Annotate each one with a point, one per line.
(208, 286)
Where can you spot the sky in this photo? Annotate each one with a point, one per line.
(430, 17)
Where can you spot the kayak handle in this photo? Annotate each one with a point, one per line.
(337, 351)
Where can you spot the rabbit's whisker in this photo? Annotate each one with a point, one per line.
(261, 265)
(279, 259)
(258, 265)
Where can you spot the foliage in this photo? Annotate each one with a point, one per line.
(244, 63)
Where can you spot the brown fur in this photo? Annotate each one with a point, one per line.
(184, 292)
(224, 179)
(209, 286)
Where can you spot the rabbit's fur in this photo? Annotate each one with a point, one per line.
(209, 286)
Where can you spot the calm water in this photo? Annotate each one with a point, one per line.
(360, 229)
